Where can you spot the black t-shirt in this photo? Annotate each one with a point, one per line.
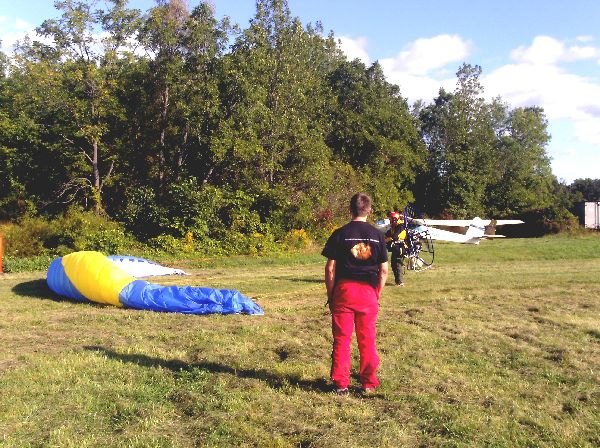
(358, 249)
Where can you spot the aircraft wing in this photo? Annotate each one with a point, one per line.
(444, 235)
(503, 222)
(466, 222)
(383, 225)
(453, 222)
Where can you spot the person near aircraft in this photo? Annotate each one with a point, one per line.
(395, 241)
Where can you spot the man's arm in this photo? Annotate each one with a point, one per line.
(383, 273)
(330, 278)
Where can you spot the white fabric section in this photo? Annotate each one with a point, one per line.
(140, 267)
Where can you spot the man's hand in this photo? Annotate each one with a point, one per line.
(383, 274)
(330, 280)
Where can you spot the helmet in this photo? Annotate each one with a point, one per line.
(394, 216)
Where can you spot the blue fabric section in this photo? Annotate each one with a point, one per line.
(140, 294)
(59, 282)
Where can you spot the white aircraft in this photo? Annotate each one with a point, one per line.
(475, 232)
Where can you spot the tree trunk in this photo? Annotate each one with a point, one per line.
(163, 131)
(96, 170)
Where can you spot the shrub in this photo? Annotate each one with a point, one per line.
(21, 264)
(109, 241)
(143, 216)
(192, 209)
(84, 230)
(166, 243)
(540, 222)
(252, 244)
(297, 239)
(74, 231)
(28, 237)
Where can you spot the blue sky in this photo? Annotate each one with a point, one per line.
(532, 52)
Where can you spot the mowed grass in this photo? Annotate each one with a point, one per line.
(498, 345)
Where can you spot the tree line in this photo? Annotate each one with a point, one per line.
(174, 122)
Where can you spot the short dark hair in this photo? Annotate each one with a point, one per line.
(360, 205)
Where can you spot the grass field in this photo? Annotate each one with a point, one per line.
(498, 345)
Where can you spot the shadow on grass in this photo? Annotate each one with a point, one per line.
(176, 366)
(306, 280)
(35, 288)
(38, 289)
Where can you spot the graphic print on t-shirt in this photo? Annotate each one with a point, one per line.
(361, 251)
(358, 249)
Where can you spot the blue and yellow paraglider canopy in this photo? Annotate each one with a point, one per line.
(108, 280)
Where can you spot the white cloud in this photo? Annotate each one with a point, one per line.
(546, 50)
(424, 55)
(12, 31)
(574, 160)
(576, 53)
(421, 68)
(539, 78)
(415, 87)
(540, 74)
(22, 25)
(588, 130)
(355, 48)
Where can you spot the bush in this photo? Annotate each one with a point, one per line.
(252, 244)
(84, 230)
(192, 210)
(554, 219)
(142, 216)
(297, 239)
(76, 230)
(28, 237)
(166, 243)
(185, 208)
(22, 264)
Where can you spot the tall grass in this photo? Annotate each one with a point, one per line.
(496, 345)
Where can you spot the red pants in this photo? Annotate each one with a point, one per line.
(354, 304)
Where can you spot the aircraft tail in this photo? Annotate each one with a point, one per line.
(475, 231)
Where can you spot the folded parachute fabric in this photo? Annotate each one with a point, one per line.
(95, 277)
(140, 267)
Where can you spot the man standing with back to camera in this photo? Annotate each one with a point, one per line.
(355, 274)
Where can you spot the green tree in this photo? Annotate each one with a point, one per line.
(523, 176)
(374, 132)
(275, 99)
(14, 201)
(161, 37)
(432, 182)
(458, 131)
(470, 150)
(178, 106)
(588, 188)
(71, 90)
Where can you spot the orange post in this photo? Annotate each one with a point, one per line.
(1, 251)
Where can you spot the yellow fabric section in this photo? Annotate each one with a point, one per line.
(96, 277)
